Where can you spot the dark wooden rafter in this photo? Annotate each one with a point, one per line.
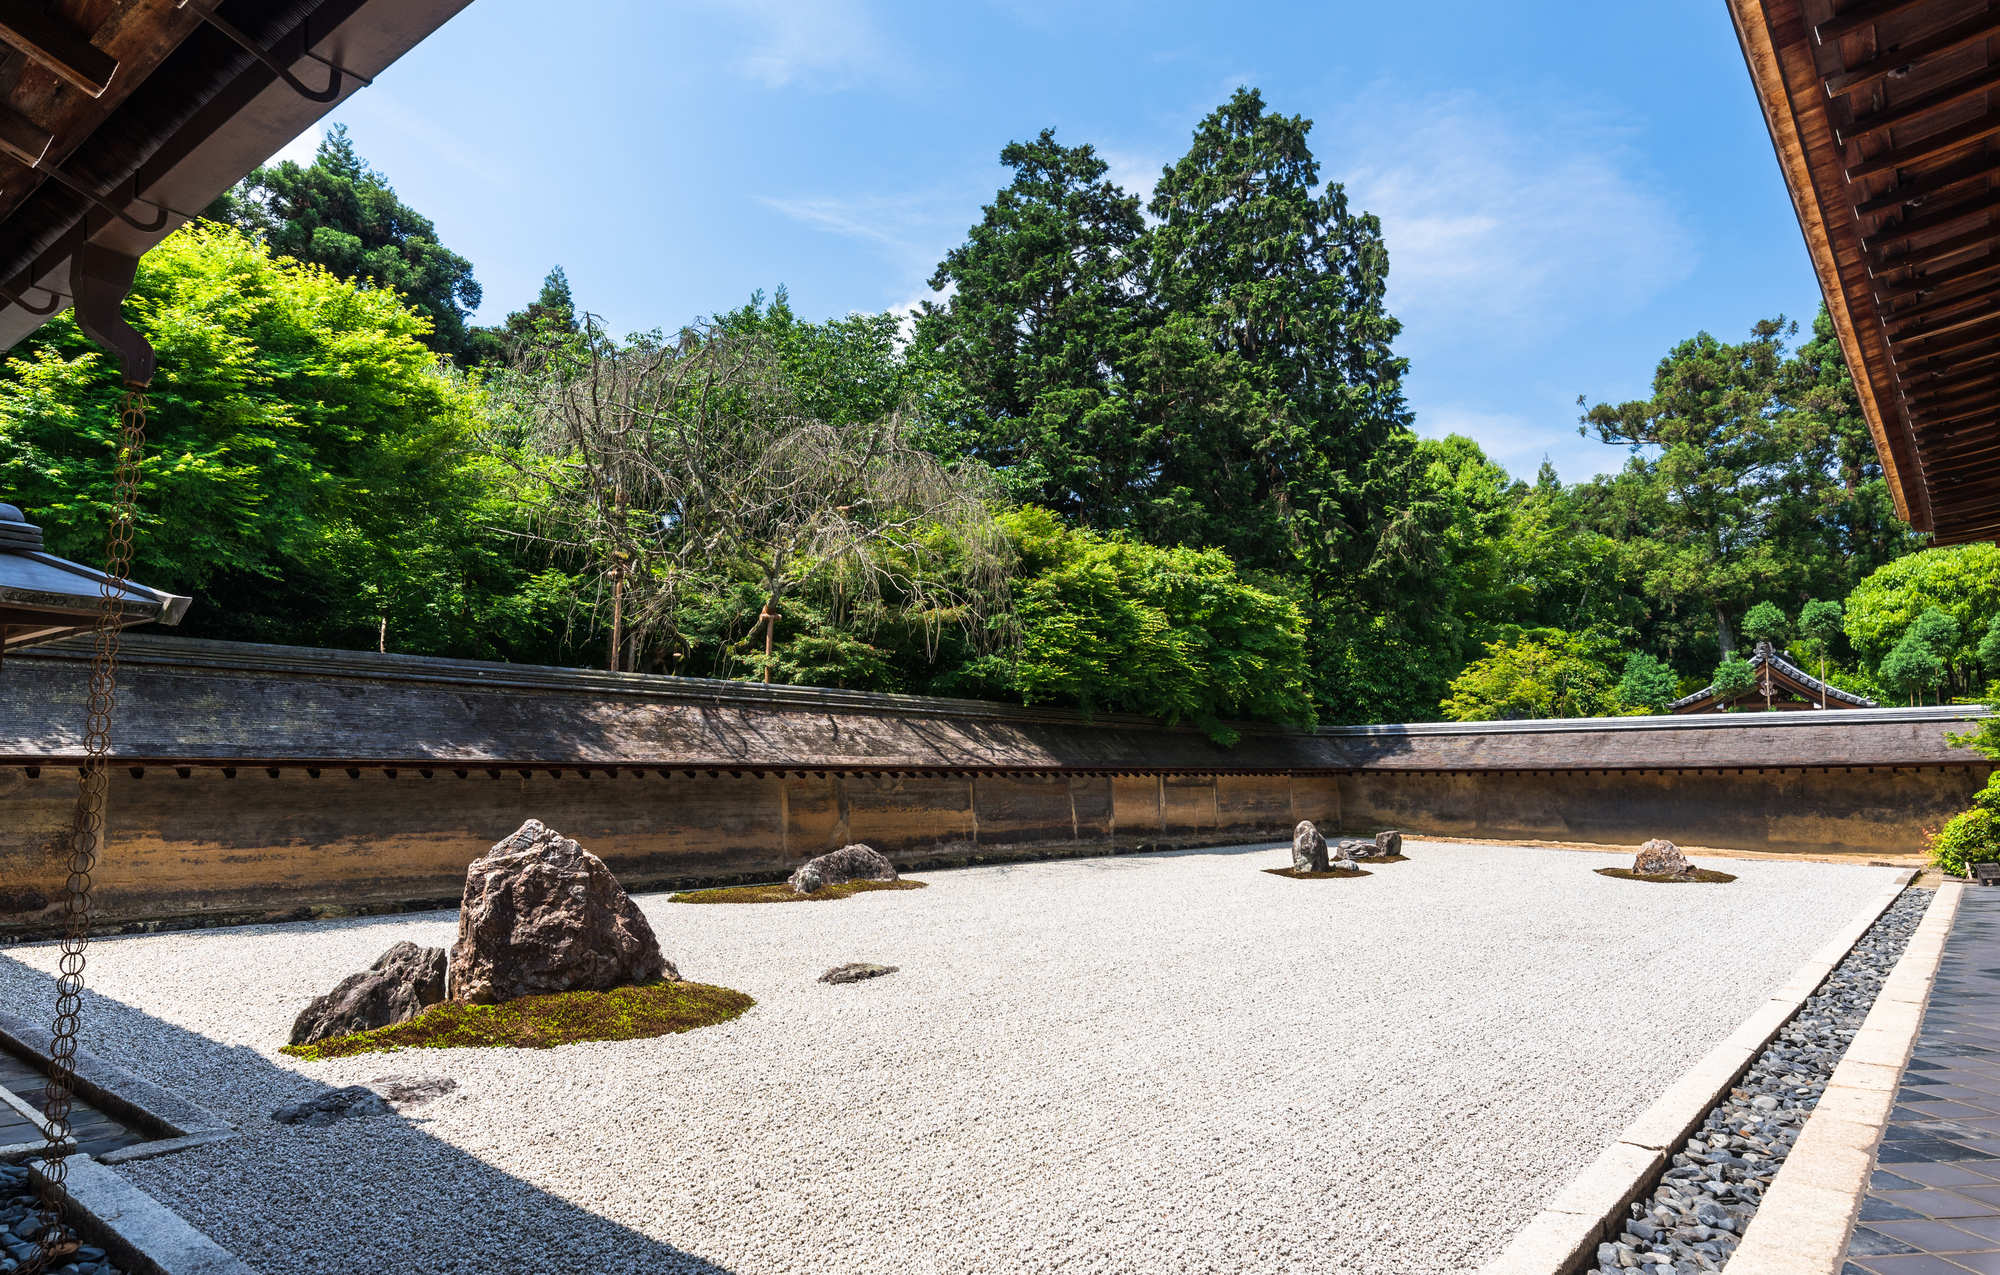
(1857, 17)
(1898, 60)
(1886, 118)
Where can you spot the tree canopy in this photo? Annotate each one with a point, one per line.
(1130, 458)
(340, 213)
(311, 473)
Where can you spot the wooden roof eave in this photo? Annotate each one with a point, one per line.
(1790, 141)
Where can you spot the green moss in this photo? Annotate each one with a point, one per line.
(1666, 878)
(1296, 875)
(542, 1022)
(782, 893)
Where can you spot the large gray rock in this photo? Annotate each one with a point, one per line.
(402, 983)
(838, 867)
(1388, 843)
(1660, 857)
(541, 914)
(1308, 848)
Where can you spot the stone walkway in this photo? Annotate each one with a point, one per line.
(1933, 1204)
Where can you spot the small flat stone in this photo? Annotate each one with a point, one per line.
(855, 971)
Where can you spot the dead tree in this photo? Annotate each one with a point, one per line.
(682, 467)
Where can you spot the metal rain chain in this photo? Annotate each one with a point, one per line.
(102, 280)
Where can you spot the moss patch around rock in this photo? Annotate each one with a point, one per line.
(541, 1022)
(783, 893)
(1296, 875)
(1666, 878)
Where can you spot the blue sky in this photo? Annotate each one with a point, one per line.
(1566, 188)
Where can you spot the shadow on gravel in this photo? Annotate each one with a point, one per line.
(364, 1195)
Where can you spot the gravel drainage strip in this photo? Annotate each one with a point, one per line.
(1696, 1217)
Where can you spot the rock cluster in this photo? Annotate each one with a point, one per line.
(402, 983)
(838, 867)
(1386, 845)
(1308, 848)
(1696, 1218)
(855, 971)
(21, 1222)
(1660, 857)
(541, 914)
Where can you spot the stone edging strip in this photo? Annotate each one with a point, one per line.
(1564, 1236)
(1801, 1228)
(140, 1234)
(175, 1123)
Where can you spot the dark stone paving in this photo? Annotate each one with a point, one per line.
(1933, 1204)
(95, 1132)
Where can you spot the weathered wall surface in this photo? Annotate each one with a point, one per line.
(256, 844)
(1841, 810)
(258, 781)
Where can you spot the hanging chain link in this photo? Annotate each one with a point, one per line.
(56, 1239)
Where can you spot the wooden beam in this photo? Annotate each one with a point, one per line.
(1903, 112)
(1866, 14)
(1954, 398)
(1926, 284)
(50, 42)
(1902, 57)
(1940, 143)
(1931, 219)
(1982, 403)
(1931, 391)
(1980, 309)
(1923, 189)
(1909, 357)
(1930, 252)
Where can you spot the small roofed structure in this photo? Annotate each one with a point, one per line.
(43, 597)
(1789, 688)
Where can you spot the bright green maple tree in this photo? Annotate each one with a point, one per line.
(340, 213)
(310, 473)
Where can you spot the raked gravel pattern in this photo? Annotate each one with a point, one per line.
(1138, 1063)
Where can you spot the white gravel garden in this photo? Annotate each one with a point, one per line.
(1173, 1062)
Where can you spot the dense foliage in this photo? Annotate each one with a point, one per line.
(311, 475)
(1136, 457)
(1545, 673)
(1217, 375)
(339, 213)
(1110, 623)
(1973, 836)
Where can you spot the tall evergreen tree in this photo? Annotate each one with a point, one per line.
(1270, 380)
(340, 213)
(1041, 323)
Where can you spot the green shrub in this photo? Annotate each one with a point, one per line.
(1973, 837)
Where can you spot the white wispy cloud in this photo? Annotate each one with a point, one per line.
(1506, 225)
(814, 43)
(910, 231)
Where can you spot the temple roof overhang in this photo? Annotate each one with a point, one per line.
(122, 120)
(1887, 128)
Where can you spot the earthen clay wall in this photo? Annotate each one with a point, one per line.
(255, 845)
(253, 781)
